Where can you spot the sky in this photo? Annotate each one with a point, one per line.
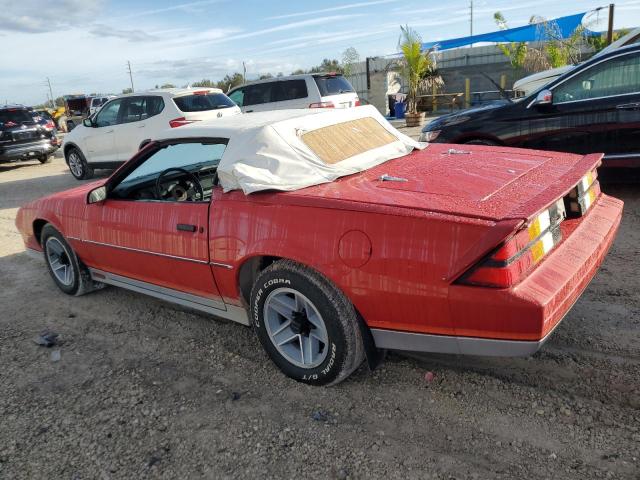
(83, 45)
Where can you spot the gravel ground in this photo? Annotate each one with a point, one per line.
(144, 389)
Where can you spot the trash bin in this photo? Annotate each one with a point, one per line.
(399, 109)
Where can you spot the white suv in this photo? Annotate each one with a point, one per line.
(126, 123)
(313, 90)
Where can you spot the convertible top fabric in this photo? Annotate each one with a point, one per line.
(293, 149)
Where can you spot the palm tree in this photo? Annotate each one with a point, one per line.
(413, 65)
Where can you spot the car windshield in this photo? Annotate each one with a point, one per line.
(16, 116)
(333, 85)
(202, 102)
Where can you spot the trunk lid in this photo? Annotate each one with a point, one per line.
(493, 183)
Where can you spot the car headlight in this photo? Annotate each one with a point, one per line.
(429, 136)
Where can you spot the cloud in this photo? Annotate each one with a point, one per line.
(33, 16)
(190, 6)
(290, 26)
(330, 9)
(99, 30)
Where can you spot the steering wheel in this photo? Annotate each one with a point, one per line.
(179, 194)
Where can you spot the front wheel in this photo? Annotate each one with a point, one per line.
(307, 326)
(45, 158)
(78, 165)
(67, 271)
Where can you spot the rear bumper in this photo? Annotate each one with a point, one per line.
(518, 320)
(12, 153)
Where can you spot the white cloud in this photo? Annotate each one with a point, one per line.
(331, 9)
(35, 16)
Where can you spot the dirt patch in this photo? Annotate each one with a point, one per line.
(143, 389)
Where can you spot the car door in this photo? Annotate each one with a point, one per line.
(99, 141)
(138, 124)
(291, 94)
(160, 245)
(595, 110)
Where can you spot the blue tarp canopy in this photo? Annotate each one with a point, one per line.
(533, 32)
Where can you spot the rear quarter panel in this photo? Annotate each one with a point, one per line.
(399, 282)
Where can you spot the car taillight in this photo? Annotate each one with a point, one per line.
(180, 121)
(506, 265)
(322, 105)
(357, 104)
(49, 125)
(582, 196)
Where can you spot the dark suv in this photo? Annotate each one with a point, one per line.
(22, 138)
(594, 107)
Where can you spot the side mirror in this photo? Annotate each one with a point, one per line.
(97, 195)
(87, 122)
(544, 97)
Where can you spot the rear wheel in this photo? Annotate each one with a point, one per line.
(67, 271)
(78, 165)
(307, 326)
(45, 158)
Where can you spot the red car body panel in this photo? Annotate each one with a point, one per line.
(394, 248)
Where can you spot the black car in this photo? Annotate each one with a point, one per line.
(22, 138)
(594, 107)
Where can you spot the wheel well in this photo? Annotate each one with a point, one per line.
(68, 147)
(249, 271)
(38, 225)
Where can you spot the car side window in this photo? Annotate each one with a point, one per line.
(237, 96)
(134, 109)
(291, 90)
(178, 164)
(258, 93)
(617, 76)
(109, 114)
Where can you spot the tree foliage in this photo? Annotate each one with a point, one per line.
(599, 42)
(553, 52)
(418, 68)
(350, 57)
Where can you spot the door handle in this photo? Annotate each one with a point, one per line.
(248, 111)
(141, 126)
(109, 131)
(185, 227)
(628, 106)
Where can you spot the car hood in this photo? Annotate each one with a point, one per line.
(463, 115)
(493, 183)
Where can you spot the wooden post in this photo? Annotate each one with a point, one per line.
(434, 101)
(467, 93)
(610, 30)
(503, 81)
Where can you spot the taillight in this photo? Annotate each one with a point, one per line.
(508, 264)
(180, 121)
(357, 104)
(49, 125)
(582, 196)
(322, 105)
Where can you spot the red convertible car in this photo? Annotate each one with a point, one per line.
(336, 237)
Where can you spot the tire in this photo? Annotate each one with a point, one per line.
(78, 165)
(481, 142)
(315, 314)
(67, 271)
(45, 158)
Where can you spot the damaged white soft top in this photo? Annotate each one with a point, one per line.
(293, 149)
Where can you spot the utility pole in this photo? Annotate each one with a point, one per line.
(471, 19)
(610, 30)
(244, 73)
(53, 103)
(130, 75)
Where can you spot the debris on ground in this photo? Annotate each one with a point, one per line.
(55, 356)
(428, 377)
(320, 416)
(47, 339)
